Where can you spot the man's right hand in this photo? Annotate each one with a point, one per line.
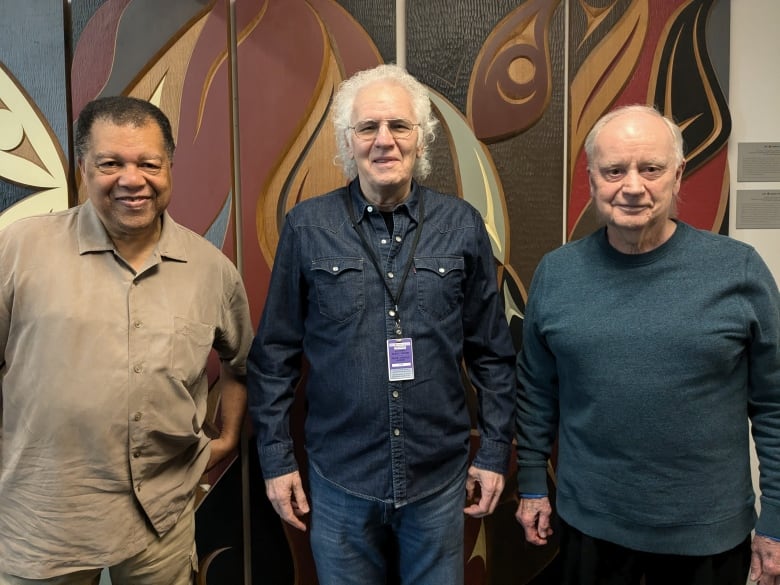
(288, 499)
(534, 516)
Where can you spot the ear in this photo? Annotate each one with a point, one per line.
(678, 177)
(591, 183)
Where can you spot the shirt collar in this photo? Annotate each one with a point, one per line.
(410, 204)
(92, 235)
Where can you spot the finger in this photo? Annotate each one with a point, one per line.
(301, 501)
(482, 507)
(519, 516)
(474, 511)
(477, 509)
(293, 521)
(532, 535)
(491, 497)
(543, 526)
(286, 513)
(545, 532)
(470, 483)
(755, 567)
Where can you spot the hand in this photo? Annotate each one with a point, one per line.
(765, 561)
(288, 499)
(491, 484)
(533, 514)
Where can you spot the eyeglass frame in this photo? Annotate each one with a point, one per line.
(387, 122)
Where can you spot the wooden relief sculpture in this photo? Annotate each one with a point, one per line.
(654, 53)
(515, 97)
(30, 156)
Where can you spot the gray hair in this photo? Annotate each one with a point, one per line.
(344, 101)
(674, 130)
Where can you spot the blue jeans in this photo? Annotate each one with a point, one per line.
(350, 536)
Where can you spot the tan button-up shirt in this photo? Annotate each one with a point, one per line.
(104, 386)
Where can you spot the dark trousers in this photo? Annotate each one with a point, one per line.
(590, 561)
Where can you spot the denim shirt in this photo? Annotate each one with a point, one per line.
(391, 441)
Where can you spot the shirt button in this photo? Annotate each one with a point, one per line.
(441, 270)
(395, 393)
(370, 208)
(383, 241)
(136, 454)
(391, 313)
(390, 275)
(137, 416)
(137, 369)
(335, 269)
(398, 239)
(137, 324)
(396, 432)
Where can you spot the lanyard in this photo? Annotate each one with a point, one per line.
(375, 260)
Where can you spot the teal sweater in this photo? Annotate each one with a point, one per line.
(647, 367)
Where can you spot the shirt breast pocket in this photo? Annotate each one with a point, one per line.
(192, 343)
(439, 284)
(339, 287)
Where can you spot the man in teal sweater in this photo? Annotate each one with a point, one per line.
(647, 346)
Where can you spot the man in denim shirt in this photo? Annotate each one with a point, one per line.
(385, 287)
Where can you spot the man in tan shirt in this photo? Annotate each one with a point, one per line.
(108, 313)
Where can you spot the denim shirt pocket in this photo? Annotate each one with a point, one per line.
(439, 284)
(339, 287)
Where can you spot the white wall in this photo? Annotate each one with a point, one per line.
(754, 87)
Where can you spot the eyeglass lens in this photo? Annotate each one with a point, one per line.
(368, 129)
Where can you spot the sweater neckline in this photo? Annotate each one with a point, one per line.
(669, 246)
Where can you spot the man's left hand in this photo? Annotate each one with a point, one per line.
(765, 561)
(491, 484)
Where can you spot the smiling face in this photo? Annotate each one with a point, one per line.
(635, 178)
(127, 175)
(384, 164)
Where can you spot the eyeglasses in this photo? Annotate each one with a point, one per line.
(398, 128)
